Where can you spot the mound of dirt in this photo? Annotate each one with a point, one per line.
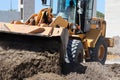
(23, 61)
(115, 68)
(93, 71)
(46, 76)
(17, 63)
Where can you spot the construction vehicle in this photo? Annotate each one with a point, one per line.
(77, 37)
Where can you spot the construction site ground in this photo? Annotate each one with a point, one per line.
(18, 63)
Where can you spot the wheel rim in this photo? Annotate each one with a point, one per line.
(101, 52)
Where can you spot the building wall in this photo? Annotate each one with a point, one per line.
(112, 17)
(94, 8)
(27, 8)
(7, 16)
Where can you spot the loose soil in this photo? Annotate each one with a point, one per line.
(17, 62)
(93, 71)
(20, 61)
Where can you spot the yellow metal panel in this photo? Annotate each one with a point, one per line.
(80, 36)
(60, 22)
(92, 37)
(24, 28)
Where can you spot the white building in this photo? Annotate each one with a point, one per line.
(25, 9)
(112, 16)
(94, 8)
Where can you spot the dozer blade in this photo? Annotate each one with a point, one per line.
(43, 41)
(25, 53)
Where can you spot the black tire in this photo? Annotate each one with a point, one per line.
(99, 53)
(74, 51)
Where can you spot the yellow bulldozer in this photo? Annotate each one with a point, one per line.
(65, 26)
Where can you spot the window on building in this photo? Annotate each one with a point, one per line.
(21, 1)
(21, 10)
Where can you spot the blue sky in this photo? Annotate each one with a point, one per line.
(5, 5)
(101, 5)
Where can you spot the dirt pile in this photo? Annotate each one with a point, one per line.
(17, 63)
(114, 68)
(20, 61)
(93, 71)
(46, 76)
